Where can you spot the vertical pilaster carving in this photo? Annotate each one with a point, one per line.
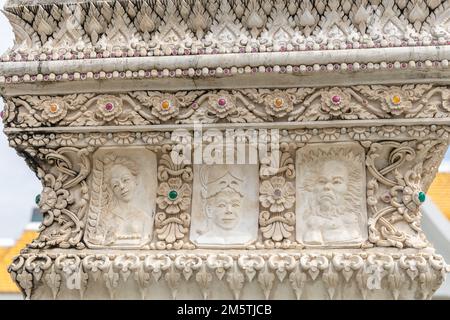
(174, 201)
(277, 197)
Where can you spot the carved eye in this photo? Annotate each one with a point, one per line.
(322, 180)
(236, 205)
(221, 205)
(337, 181)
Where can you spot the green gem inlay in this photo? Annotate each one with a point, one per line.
(172, 194)
(422, 196)
(37, 199)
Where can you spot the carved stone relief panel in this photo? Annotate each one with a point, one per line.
(122, 207)
(330, 207)
(225, 206)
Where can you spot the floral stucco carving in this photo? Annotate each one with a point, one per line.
(234, 106)
(173, 218)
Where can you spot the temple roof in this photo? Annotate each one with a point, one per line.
(6, 283)
(439, 192)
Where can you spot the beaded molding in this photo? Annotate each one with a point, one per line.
(225, 72)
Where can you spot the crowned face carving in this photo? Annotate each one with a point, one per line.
(330, 188)
(224, 211)
(125, 202)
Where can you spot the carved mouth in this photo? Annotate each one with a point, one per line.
(327, 197)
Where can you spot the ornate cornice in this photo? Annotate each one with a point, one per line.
(91, 29)
(87, 40)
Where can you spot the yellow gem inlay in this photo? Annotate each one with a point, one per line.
(396, 100)
(53, 107)
(165, 104)
(278, 102)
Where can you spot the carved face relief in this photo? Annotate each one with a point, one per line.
(122, 182)
(331, 184)
(331, 195)
(123, 187)
(225, 208)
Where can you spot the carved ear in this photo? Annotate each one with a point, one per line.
(208, 211)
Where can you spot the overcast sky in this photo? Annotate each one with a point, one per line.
(18, 184)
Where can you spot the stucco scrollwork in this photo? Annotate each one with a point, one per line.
(399, 174)
(64, 198)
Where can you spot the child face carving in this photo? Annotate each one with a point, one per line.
(224, 210)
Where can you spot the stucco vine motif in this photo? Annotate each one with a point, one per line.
(395, 191)
(63, 223)
(68, 274)
(114, 29)
(247, 106)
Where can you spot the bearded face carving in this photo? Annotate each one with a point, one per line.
(331, 208)
(331, 185)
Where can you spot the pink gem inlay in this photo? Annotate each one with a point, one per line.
(109, 106)
(336, 99)
(222, 102)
